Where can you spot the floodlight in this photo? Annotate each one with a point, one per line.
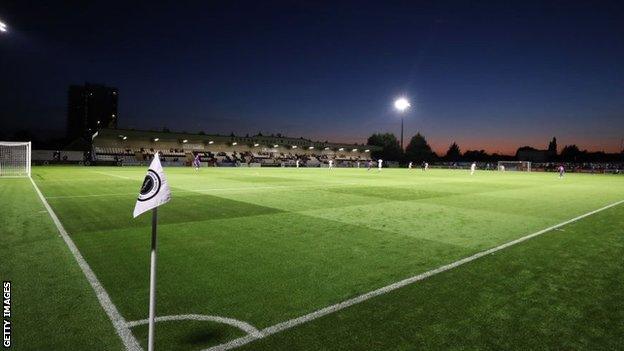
(341, 149)
(156, 139)
(367, 150)
(401, 104)
(125, 138)
(3, 27)
(327, 148)
(294, 146)
(275, 145)
(234, 143)
(210, 142)
(354, 150)
(311, 147)
(256, 144)
(185, 141)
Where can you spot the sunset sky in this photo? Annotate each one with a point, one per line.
(493, 76)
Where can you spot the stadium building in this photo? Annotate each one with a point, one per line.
(132, 147)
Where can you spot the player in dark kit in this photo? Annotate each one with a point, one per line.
(196, 162)
(561, 171)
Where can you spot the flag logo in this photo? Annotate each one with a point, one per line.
(150, 187)
(154, 190)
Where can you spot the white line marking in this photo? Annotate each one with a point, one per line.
(116, 175)
(386, 289)
(129, 341)
(244, 326)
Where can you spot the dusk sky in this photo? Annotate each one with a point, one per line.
(493, 75)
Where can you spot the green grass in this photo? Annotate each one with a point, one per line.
(267, 245)
(53, 305)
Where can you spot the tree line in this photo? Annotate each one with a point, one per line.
(418, 150)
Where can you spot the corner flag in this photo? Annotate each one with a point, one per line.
(154, 192)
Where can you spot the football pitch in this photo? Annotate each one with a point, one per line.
(312, 259)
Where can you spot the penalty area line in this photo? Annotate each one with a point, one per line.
(291, 323)
(119, 322)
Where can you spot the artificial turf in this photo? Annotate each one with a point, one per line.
(266, 245)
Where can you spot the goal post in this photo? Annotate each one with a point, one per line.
(15, 159)
(522, 166)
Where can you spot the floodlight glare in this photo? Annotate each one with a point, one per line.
(156, 139)
(367, 150)
(401, 104)
(125, 138)
(185, 141)
(294, 146)
(256, 144)
(234, 143)
(210, 142)
(311, 147)
(275, 145)
(341, 149)
(354, 150)
(3, 27)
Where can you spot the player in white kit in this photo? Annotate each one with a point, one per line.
(379, 164)
(409, 166)
(331, 164)
(473, 168)
(426, 166)
(297, 163)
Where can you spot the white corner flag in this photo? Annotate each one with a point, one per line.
(154, 192)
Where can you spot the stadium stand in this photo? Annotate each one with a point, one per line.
(132, 147)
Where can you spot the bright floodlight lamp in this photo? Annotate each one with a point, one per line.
(327, 148)
(156, 139)
(256, 144)
(401, 104)
(184, 141)
(354, 150)
(210, 142)
(294, 146)
(367, 150)
(341, 149)
(234, 143)
(311, 147)
(3, 27)
(275, 145)
(125, 138)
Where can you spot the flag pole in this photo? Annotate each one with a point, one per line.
(152, 293)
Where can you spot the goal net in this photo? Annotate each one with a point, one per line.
(523, 166)
(14, 159)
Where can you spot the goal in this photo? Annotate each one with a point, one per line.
(523, 166)
(14, 159)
